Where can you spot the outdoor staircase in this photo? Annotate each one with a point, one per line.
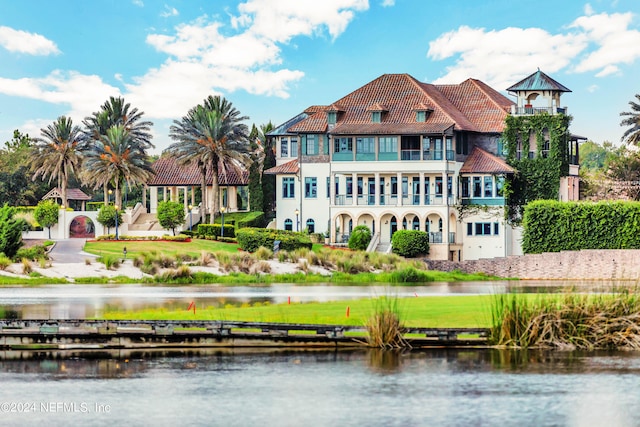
(385, 248)
(145, 222)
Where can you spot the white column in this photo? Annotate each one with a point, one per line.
(376, 187)
(354, 189)
(153, 200)
(399, 194)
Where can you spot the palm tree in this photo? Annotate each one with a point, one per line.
(56, 154)
(115, 112)
(632, 135)
(117, 158)
(212, 135)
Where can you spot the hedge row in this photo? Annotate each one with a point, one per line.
(552, 226)
(166, 237)
(250, 239)
(215, 230)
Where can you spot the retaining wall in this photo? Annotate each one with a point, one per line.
(616, 264)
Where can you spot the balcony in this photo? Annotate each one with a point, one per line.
(530, 110)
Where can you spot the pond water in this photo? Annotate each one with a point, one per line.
(90, 301)
(354, 388)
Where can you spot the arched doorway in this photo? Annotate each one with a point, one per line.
(311, 226)
(82, 227)
(393, 226)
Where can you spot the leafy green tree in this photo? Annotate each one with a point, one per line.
(107, 216)
(212, 135)
(114, 112)
(171, 215)
(255, 170)
(47, 213)
(16, 186)
(56, 154)
(360, 238)
(632, 118)
(594, 157)
(10, 231)
(268, 181)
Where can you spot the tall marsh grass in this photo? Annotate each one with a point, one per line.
(384, 327)
(567, 321)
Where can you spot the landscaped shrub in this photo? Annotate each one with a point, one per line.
(215, 230)
(360, 238)
(250, 239)
(33, 253)
(552, 226)
(410, 243)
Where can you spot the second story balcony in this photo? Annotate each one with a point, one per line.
(530, 110)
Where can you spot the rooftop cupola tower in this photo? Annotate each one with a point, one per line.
(538, 93)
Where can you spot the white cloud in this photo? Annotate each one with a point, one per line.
(594, 42)
(497, 57)
(83, 93)
(169, 11)
(204, 57)
(388, 3)
(615, 42)
(24, 42)
(593, 88)
(138, 3)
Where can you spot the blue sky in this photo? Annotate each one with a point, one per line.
(274, 58)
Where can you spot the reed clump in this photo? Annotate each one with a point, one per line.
(567, 321)
(384, 327)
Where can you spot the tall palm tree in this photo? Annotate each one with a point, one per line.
(117, 158)
(632, 135)
(115, 112)
(212, 135)
(57, 153)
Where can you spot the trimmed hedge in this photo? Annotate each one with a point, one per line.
(250, 239)
(215, 230)
(552, 226)
(410, 243)
(360, 238)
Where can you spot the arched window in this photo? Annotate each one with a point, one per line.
(440, 225)
(288, 224)
(416, 223)
(311, 226)
(404, 223)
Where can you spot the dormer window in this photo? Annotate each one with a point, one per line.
(377, 110)
(332, 117)
(422, 112)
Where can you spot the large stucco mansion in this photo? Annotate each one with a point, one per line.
(398, 153)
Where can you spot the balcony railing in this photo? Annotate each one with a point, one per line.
(435, 237)
(410, 154)
(390, 199)
(527, 111)
(452, 237)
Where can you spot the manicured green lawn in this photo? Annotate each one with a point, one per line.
(433, 311)
(137, 247)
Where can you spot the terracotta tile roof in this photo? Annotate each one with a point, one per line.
(72, 194)
(470, 106)
(170, 173)
(485, 107)
(289, 168)
(390, 128)
(481, 161)
(538, 81)
(315, 123)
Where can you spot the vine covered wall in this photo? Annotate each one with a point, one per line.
(538, 177)
(553, 226)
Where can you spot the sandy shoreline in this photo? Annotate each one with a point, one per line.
(93, 268)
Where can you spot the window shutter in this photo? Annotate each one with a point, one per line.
(303, 141)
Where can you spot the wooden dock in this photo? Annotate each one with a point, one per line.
(133, 334)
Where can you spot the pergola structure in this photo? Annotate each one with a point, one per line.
(72, 194)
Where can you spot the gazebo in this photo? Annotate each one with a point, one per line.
(72, 194)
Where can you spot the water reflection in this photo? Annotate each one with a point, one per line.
(90, 301)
